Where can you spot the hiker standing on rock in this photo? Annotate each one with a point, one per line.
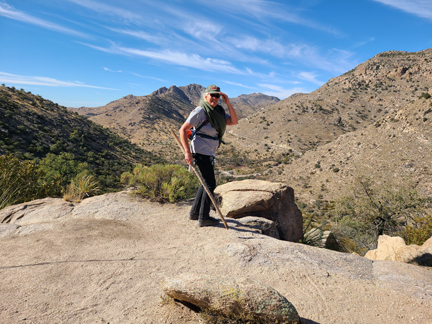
(209, 121)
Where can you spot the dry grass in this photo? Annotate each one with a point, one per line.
(82, 186)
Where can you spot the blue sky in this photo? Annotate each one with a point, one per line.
(90, 52)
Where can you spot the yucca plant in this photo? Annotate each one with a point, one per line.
(82, 186)
(162, 182)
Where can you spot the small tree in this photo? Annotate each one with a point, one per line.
(370, 211)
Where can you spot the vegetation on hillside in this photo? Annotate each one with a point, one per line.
(50, 146)
(370, 210)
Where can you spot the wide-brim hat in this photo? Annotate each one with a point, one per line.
(213, 89)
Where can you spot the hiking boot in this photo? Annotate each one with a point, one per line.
(193, 216)
(209, 221)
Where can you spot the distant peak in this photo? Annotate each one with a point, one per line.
(160, 91)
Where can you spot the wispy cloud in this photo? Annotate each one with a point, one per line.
(147, 77)
(278, 91)
(109, 10)
(203, 30)
(269, 11)
(183, 59)
(141, 35)
(310, 77)
(173, 57)
(421, 8)
(335, 61)
(43, 81)
(254, 44)
(360, 44)
(238, 84)
(12, 13)
(109, 70)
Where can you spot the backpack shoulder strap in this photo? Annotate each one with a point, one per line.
(205, 122)
(194, 132)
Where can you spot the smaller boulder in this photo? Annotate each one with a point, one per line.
(273, 201)
(238, 299)
(395, 249)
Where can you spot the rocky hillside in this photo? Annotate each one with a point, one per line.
(358, 98)
(146, 120)
(32, 127)
(395, 149)
(373, 120)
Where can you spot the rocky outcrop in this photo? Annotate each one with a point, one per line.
(274, 201)
(395, 249)
(241, 299)
(41, 214)
(36, 211)
(103, 262)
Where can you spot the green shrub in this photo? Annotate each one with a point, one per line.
(419, 231)
(162, 182)
(20, 181)
(61, 168)
(425, 95)
(370, 211)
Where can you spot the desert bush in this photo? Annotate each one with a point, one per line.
(370, 211)
(419, 231)
(425, 95)
(82, 186)
(61, 168)
(162, 182)
(20, 181)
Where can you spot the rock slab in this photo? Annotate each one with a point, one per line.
(273, 201)
(240, 298)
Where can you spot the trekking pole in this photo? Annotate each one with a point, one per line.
(201, 180)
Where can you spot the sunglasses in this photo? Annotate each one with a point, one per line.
(215, 95)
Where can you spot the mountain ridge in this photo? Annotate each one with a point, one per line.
(146, 120)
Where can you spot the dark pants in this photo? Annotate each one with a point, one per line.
(201, 204)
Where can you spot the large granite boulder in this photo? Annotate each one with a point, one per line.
(274, 201)
(395, 249)
(241, 299)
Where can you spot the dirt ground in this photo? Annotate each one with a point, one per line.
(99, 270)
